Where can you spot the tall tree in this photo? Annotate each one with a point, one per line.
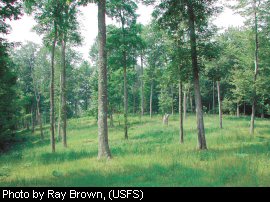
(47, 15)
(123, 12)
(247, 9)
(103, 144)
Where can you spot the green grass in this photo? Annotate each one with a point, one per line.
(152, 156)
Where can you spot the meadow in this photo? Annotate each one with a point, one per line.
(152, 156)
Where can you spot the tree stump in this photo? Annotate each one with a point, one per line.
(166, 119)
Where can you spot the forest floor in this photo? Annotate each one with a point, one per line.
(152, 156)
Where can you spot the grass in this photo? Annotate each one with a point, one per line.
(152, 156)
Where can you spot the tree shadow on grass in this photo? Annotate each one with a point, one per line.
(242, 150)
(60, 157)
(130, 176)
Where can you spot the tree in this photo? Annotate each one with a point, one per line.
(47, 15)
(68, 32)
(247, 9)
(103, 144)
(123, 12)
(8, 103)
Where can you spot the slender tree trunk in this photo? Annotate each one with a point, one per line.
(238, 111)
(198, 99)
(191, 103)
(86, 104)
(256, 70)
(64, 92)
(111, 120)
(151, 98)
(45, 118)
(125, 82)
(134, 99)
(76, 108)
(33, 118)
(219, 104)
(125, 98)
(262, 114)
(213, 98)
(27, 125)
(142, 87)
(244, 109)
(40, 117)
(185, 105)
(59, 111)
(36, 117)
(172, 99)
(52, 120)
(103, 143)
(181, 132)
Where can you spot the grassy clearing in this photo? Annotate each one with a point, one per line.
(151, 157)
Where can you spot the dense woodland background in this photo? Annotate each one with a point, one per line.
(179, 63)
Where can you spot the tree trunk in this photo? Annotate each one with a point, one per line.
(86, 104)
(40, 117)
(52, 91)
(151, 98)
(59, 111)
(134, 99)
(219, 104)
(111, 120)
(125, 81)
(64, 92)
(103, 143)
(76, 108)
(191, 103)
(262, 114)
(142, 88)
(33, 118)
(185, 105)
(238, 110)
(125, 98)
(198, 99)
(213, 98)
(256, 70)
(166, 119)
(244, 109)
(181, 132)
(172, 99)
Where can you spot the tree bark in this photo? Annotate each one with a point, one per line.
(63, 92)
(256, 70)
(198, 99)
(185, 105)
(52, 91)
(244, 109)
(219, 104)
(39, 117)
(142, 87)
(103, 143)
(181, 131)
(151, 98)
(60, 109)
